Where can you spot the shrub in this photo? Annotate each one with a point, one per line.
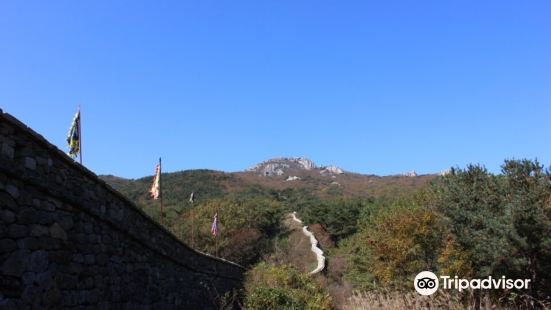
(283, 287)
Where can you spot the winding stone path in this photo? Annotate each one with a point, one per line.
(314, 244)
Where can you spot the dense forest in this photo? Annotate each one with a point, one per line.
(469, 223)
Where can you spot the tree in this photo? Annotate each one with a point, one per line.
(338, 217)
(528, 194)
(472, 203)
(396, 240)
(403, 242)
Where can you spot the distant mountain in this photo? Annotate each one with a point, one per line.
(276, 175)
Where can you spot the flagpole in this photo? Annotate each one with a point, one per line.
(161, 189)
(80, 134)
(192, 214)
(217, 231)
(192, 226)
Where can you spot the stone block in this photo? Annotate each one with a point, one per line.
(67, 281)
(39, 230)
(12, 190)
(49, 243)
(80, 238)
(52, 297)
(93, 238)
(65, 221)
(79, 258)
(87, 283)
(31, 296)
(74, 268)
(102, 259)
(89, 259)
(38, 261)
(29, 244)
(45, 217)
(60, 257)
(55, 202)
(30, 163)
(7, 245)
(47, 206)
(106, 239)
(56, 231)
(7, 150)
(10, 286)
(28, 216)
(17, 231)
(7, 216)
(3, 231)
(15, 264)
(88, 228)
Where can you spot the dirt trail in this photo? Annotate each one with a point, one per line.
(320, 258)
(302, 255)
(297, 250)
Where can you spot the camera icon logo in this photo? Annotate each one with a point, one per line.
(426, 283)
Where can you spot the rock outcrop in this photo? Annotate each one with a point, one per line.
(331, 170)
(289, 165)
(409, 174)
(292, 178)
(279, 166)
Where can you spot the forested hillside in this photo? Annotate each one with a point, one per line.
(380, 232)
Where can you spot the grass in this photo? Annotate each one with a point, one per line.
(440, 300)
(400, 300)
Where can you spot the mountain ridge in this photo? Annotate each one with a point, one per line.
(274, 175)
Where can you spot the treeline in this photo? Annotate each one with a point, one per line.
(469, 223)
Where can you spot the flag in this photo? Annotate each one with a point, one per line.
(73, 138)
(192, 197)
(214, 227)
(156, 187)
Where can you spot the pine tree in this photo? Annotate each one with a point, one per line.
(528, 194)
(471, 202)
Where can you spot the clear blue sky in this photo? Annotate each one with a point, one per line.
(372, 86)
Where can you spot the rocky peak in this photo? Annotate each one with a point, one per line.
(279, 166)
(290, 165)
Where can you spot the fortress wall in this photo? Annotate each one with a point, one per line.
(67, 239)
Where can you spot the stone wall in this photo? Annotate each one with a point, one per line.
(67, 239)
